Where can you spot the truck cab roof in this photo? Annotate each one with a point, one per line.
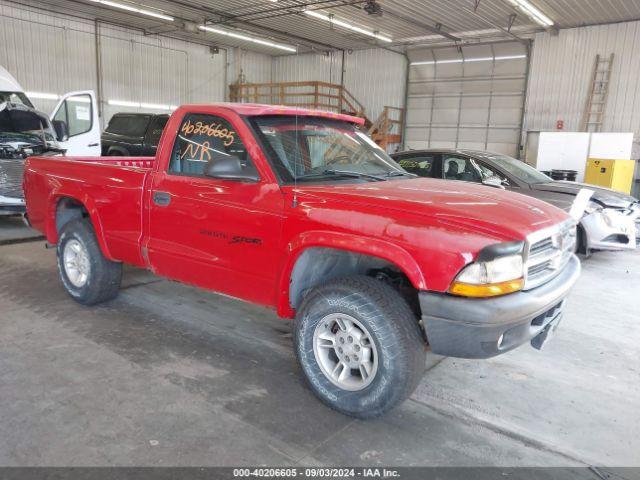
(255, 109)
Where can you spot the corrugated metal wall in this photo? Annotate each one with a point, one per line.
(375, 77)
(53, 53)
(254, 67)
(157, 70)
(300, 68)
(46, 53)
(561, 74)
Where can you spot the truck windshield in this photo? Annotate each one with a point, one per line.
(306, 149)
(522, 171)
(21, 120)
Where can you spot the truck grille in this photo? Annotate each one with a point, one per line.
(11, 171)
(548, 252)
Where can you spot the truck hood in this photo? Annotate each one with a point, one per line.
(562, 193)
(497, 213)
(25, 131)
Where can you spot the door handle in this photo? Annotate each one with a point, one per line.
(162, 199)
(93, 145)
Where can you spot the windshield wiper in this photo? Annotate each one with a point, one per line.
(398, 173)
(343, 173)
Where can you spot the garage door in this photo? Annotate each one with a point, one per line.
(467, 98)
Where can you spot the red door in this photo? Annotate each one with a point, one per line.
(223, 235)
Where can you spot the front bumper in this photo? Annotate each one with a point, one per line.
(472, 328)
(610, 229)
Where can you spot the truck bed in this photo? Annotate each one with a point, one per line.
(111, 188)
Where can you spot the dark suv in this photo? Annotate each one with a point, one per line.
(133, 134)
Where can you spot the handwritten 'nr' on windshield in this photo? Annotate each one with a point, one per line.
(215, 130)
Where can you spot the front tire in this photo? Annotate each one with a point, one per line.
(359, 346)
(87, 275)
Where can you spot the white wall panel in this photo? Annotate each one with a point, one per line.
(307, 67)
(561, 73)
(158, 70)
(54, 54)
(249, 67)
(375, 77)
(46, 53)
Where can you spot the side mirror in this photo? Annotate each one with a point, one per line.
(229, 167)
(493, 182)
(62, 130)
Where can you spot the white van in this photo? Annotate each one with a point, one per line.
(77, 111)
(72, 129)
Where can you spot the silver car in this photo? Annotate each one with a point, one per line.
(611, 220)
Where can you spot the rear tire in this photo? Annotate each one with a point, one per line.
(359, 346)
(87, 275)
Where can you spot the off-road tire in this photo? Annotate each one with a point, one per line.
(104, 276)
(393, 328)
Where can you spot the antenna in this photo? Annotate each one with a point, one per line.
(295, 156)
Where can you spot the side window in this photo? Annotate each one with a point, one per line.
(133, 125)
(421, 165)
(203, 139)
(156, 129)
(459, 168)
(77, 113)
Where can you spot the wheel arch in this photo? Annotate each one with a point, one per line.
(67, 207)
(320, 256)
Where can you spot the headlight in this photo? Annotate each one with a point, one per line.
(491, 278)
(592, 207)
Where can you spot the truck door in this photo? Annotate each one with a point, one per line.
(79, 111)
(223, 235)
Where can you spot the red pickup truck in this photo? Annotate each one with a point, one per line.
(300, 211)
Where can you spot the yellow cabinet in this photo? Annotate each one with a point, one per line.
(615, 174)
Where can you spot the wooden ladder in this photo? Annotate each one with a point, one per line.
(597, 100)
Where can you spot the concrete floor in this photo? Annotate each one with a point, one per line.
(167, 374)
(13, 230)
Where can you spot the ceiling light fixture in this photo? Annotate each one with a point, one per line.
(349, 26)
(532, 12)
(461, 60)
(247, 38)
(43, 96)
(131, 8)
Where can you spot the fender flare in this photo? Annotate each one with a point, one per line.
(89, 204)
(382, 249)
